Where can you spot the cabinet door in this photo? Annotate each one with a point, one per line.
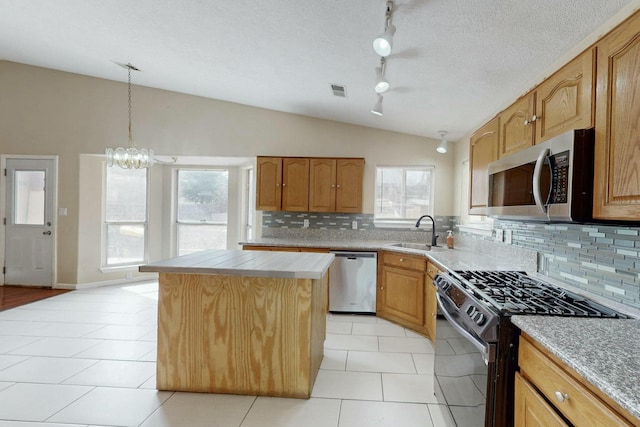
(617, 151)
(404, 295)
(516, 128)
(349, 175)
(322, 186)
(431, 308)
(483, 150)
(295, 184)
(531, 410)
(269, 183)
(565, 100)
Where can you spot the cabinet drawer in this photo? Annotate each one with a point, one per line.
(405, 261)
(432, 270)
(578, 405)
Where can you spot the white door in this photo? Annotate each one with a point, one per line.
(29, 238)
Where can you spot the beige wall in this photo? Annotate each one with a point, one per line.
(44, 111)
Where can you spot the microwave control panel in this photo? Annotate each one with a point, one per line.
(559, 165)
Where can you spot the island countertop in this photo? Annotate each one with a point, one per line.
(295, 265)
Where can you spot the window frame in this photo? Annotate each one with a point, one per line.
(105, 226)
(404, 222)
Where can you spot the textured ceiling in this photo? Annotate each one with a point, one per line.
(454, 61)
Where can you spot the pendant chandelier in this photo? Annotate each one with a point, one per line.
(131, 157)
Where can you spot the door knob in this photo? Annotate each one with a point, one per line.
(47, 233)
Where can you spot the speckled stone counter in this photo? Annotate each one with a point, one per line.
(460, 258)
(606, 352)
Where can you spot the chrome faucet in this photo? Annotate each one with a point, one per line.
(434, 236)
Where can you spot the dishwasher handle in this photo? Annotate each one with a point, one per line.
(354, 255)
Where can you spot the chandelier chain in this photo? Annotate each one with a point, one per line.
(131, 143)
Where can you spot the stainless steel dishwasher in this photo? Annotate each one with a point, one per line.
(352, 282)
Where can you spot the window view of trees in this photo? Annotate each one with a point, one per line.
(202, 209)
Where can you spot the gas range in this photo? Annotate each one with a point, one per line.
(515, 292)
(477, 307)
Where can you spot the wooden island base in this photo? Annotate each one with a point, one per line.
(240, 335)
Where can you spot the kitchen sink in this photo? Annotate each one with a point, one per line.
(409, 245)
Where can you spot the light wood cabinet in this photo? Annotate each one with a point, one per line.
(562, 102)
(531, 410)
(269, 183)
(565, 100)
(322, 187)
(617, 150)
(483, 150)
(349, 177)
(568, 393)
(516, 128)
(315, 185)
(295, 184)
(406, 293)
(430, 301)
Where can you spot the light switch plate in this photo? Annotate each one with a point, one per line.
(499, 234)
(508, 235)
(305, 223)
(354, 225)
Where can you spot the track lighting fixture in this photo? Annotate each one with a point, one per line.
(382, 84)
(442, 147)
(377, 109)
(383, 44)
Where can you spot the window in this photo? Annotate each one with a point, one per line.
(403, 194)
(201, 210)
(125, 217)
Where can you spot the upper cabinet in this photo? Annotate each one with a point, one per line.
(617, 151)
(565, 100)
(314, 185)
(483, 150)
(269, 183)
(516, 127)
(349, 178)
(295, 184)
(561, 103)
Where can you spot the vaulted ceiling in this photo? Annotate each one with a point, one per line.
(454, 62)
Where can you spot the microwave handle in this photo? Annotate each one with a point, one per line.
(537, 172)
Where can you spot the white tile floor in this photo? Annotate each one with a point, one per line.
(87, 358)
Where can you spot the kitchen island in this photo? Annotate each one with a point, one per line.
(241, 322)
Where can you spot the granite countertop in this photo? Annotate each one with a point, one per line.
(294, 265)
(606, 352)
(459, 258)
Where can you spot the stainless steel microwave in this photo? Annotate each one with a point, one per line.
(551, 181)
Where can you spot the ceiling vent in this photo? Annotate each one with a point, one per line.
(339, 90)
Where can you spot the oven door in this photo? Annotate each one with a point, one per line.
(464, 370)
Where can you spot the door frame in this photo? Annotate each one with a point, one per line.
(3, 210)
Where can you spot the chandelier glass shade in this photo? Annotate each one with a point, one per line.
(131, 157)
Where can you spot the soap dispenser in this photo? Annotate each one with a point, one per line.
(450, 239)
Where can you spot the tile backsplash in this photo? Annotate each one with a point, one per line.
(603, 259)
(279, 224)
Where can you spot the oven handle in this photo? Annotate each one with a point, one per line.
(537, 173)
(484, 349)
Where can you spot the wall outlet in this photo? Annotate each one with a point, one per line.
(305, 223)
(499, 234)
(508, 236)
(354, 225)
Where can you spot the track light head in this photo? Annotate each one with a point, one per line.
(383, 44)
(377, 109)
(382, 84)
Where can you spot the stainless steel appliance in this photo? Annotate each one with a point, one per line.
(352, 282)
(551, 181)
(477, 346)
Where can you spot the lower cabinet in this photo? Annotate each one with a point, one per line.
(406, 293)
(549, 393)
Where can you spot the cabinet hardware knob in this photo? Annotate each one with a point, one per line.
(333, 186)
(283, 184)
(401, 259)
(278, 185)
(338, 185)
(47, 233)
(561, 396)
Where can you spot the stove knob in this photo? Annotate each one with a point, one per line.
(471, 310)
(480, 319)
